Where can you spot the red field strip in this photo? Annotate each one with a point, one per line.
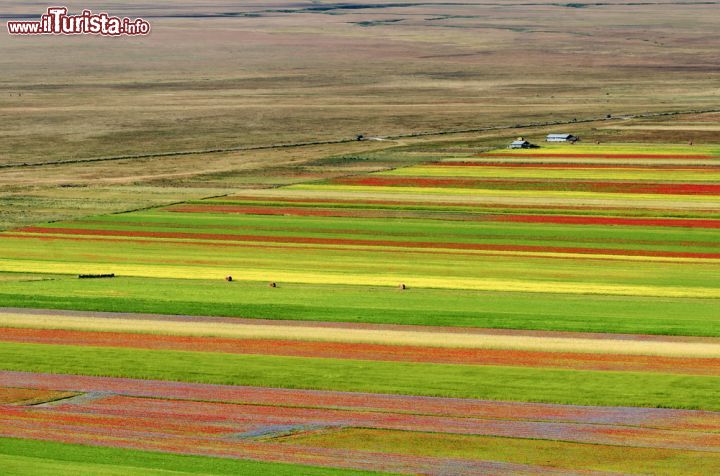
(578, 186)
(554, 219)
(598, 220)
(531, 165)
(351, 242)
(361, 351)
(466, 408)
(603, 156)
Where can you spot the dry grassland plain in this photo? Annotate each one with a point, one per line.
(219, 75)
(216, 74)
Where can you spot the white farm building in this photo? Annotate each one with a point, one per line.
(520, 144)
(561, 138)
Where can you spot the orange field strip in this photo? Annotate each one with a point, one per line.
(27, 396)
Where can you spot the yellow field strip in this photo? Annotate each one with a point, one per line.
(499, 172)
(676, 127)
(537, 194)
(288, 331)
(508, 159)
(444, 282)
(490, 197)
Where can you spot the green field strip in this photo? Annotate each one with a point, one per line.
(547, 453)
(379, 305)
(483, 382)
(48, 458)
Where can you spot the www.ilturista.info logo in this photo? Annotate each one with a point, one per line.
(57, 22)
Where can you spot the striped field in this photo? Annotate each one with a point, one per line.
(515, 312)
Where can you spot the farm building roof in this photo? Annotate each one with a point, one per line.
(559, 136)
